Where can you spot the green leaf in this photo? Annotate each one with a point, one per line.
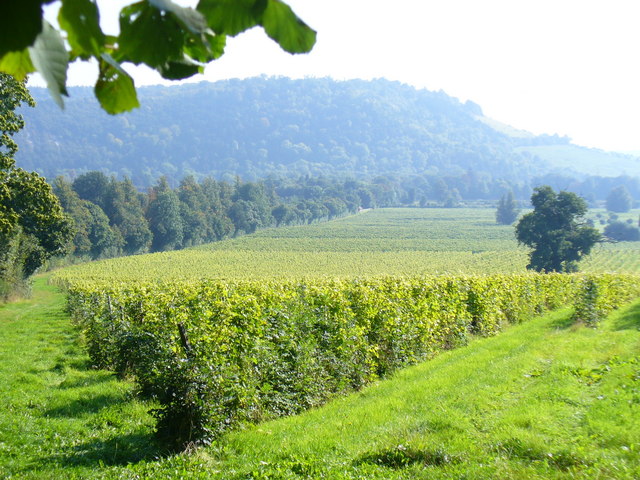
(81, 20)
(205, 48)
(230, 17)
(17, 64)
(192, 19)
(148, 36)
(179, 70)
(51, 59)
(283, 26)
(20, 24)
(115, 89)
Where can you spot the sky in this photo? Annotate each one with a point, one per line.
(566, 67)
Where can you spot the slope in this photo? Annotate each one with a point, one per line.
(270, 126)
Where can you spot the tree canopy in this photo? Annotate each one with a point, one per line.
(507, 210)
(175, 41)
(555, 231)
(33, 226)
(619, 200)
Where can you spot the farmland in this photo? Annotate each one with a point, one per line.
(374, 243)
(261, 326)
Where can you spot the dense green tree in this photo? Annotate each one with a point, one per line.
(175, 41)
(556, 231)
(619, 200)
(92, 186)
(622, 232)
(125, 209)
(164, 217)
(282, 214)
(246, 216)
(33, 226)
(507, 211)
(105, 241)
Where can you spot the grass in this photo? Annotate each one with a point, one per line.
(545, 399)
(60, 418)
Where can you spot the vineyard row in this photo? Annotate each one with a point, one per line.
(219, 354)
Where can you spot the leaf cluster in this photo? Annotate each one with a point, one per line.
(176, 41)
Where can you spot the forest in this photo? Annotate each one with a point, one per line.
(279, 127)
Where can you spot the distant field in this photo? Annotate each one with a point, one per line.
(374, 243)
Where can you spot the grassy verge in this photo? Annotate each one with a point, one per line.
(545, 399)
(60, 418)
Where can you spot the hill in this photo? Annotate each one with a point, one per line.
(277, 126)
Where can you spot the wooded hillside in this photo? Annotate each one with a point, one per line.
(273, 126)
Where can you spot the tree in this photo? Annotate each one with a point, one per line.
(622, 232)
(124, 207)
(507, 210)
(175, 41)
(165, 221)
(619, 200)
(33, 226)
(556, 231)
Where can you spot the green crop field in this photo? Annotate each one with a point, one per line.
(374, 243)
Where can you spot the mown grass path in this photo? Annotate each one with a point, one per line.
(545, 399)
(59, 418)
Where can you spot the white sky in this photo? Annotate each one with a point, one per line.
(570, 67)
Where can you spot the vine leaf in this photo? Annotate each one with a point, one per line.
(192, 19)
(148, 36)
(20, 24)
(230, 17)
(50, 58)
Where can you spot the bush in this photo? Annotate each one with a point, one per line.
(216, 355)
(622, 232)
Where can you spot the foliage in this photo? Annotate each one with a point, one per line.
(33, 227)
(601, 294)
(622, 232)
(507, 211)
(175, 41)
(218, 354)
(281, 127)
(555, 231)
(165, 221)
(619, 200)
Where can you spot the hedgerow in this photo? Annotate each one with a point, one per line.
(219, 354)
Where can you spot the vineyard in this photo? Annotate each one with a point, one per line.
(375, 243)
(274, 323)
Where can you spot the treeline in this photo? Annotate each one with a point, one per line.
(112, 218)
